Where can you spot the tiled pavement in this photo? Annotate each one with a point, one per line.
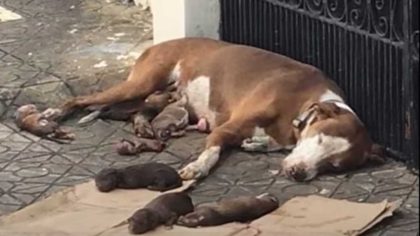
(63, 48)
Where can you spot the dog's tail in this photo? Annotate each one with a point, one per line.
(89, 118)
(191, 187)
(379, 154)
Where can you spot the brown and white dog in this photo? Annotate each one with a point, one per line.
(252, 98)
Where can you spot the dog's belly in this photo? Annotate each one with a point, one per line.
(198, 93)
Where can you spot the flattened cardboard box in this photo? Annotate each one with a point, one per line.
(82, 210)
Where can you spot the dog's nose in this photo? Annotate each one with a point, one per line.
(297, 173)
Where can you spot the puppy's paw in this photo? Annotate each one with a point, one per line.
(126, 147)
(192, 171)
(52, 113)
(142, 128)
(191, 220)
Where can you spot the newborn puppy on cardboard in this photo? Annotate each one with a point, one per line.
(163, 210)
(153, 176)
(239, 209)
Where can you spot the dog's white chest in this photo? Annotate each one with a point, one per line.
(198, 93)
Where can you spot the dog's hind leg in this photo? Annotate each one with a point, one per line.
(138, 85)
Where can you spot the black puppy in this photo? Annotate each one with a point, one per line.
(153, 176)
(163, 210)
(239, 209)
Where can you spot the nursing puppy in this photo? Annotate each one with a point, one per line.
(174, 121)
(154, 104)
(28, 118)
(240, 209)
(163, 210)
(153, 176)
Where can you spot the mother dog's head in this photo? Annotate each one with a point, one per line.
(330, 138)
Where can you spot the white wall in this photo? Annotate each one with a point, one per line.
(185, 18)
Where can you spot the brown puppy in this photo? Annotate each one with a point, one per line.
(28, 118)
(240, 209)
(153, 105)
(164, 209)
(153, 176)
(127, 147)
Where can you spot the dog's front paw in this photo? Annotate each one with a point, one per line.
(126, 147)
(193, 171)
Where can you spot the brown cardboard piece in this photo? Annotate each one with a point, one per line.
(82, 210)
(316, 215)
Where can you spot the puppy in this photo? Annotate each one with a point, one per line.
(28, 118)
(153, 176)
(127, 147)
(153, 105)
(173, 121)
(163, 210)
(240, 209)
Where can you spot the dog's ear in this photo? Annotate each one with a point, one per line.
(327, 109)
(376, 154)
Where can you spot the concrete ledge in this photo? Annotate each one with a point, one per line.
(185, 18)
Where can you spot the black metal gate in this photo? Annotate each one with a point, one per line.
(369, 47)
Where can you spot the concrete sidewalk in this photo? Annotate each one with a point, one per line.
(64, 48)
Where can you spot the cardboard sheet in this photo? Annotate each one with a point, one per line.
(316, 215)
(82, 210)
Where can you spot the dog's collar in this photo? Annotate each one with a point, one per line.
(303, 118)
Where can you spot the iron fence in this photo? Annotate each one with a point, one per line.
(369, 47)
